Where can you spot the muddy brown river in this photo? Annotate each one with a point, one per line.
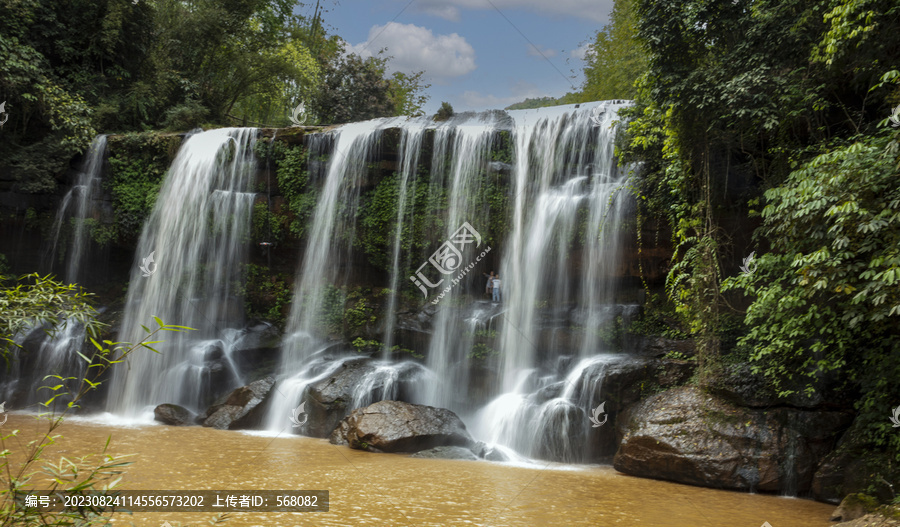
(392, 490)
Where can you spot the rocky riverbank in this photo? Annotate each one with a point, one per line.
(736, 436)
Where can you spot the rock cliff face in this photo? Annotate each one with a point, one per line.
(687, 436)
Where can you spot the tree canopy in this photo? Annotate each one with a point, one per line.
(69, 70)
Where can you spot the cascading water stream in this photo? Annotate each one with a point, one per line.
(197, 235)
(333, 224)
(410, 148)
(350, 146)
(56, 354)
(84, 192)
(565, 191)
(564, 165)
(465, 142)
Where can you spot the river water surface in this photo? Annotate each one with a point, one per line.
(390, 489)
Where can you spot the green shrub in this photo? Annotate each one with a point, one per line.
(444, 113)
(185, 116)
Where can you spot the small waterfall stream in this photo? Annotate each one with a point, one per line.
(84, 192)
(42, 354)
(333, 224)
(410, 149)
(465, 142)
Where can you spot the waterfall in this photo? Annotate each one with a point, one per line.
(410, 148)
(333, 224)
(42, 354)
(189, 256)
(83, 192)
(564, 208)
(565, 211)
(461, 151)
(565, 171)
(326, 259)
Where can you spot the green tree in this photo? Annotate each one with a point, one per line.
(57, 60)
(827, 300)
(353, 89)
(231, 55)
(407, 93)
(616, 57)
(738, 93)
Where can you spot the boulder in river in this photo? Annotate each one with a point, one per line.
(687, 436)
(489, 452)
(235, 410)
(447, 452)
(394, 426)
(172, 414)
(355, 383)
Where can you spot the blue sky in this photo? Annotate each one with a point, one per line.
(473, 57)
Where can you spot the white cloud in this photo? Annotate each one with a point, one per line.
(415, 48)
(446, 12)
(581, 51)
(544, 52)
(597, 10)
(477, 101)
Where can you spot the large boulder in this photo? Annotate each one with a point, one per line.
(687, 436)
(355, 383)
(840, 473)
(395, 426)
(255, 349)
(623, 383)
(854, 467)
(328, 400)
(236, 410)
(854, 506)
(172, 414)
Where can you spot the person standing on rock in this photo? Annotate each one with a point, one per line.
(489, 284)
(495, 283)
